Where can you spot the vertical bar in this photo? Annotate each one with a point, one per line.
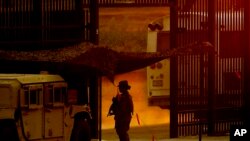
(201, 92)
(81, 21)
(100, 106)
(94, 16)
(1, 18)
(173, 71)
(246, 107)
(37, 22)
(211, 70)
(88, 20)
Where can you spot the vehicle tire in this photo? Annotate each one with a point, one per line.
(8, 130)
(81, 131)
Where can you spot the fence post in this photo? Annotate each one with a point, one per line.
(246, 102)
(202, 93)
(211, 68)
(173, 71)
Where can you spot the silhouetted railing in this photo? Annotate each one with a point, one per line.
(207, 90)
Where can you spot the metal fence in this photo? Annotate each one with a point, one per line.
(34, 24)
(207, 90)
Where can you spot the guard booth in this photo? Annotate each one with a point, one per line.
(208, 91)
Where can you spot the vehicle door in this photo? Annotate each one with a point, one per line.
(32, 110)
(54, 109)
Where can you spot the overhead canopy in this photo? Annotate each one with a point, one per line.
(81, 58)
(111, 62)
(86, 58)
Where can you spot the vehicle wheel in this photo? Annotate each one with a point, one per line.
(81, 131)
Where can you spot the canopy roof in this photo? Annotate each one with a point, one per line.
(82, 58)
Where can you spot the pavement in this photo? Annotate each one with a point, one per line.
(189, 138)
(155, 133)
(196, 138)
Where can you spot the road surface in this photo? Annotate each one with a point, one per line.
(156, 133)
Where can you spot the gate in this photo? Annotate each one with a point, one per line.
(206, 89)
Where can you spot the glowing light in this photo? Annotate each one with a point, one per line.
(147, 115)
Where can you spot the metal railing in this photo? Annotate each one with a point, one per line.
(207, 90)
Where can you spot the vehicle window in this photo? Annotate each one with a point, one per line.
(35, 96)
(59, 94)
(64, 91)
(32, 96)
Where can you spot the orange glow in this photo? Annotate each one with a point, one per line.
(144, 114)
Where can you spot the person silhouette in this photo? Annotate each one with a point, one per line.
(124, 109)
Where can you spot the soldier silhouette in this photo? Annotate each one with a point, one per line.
(123, 109)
